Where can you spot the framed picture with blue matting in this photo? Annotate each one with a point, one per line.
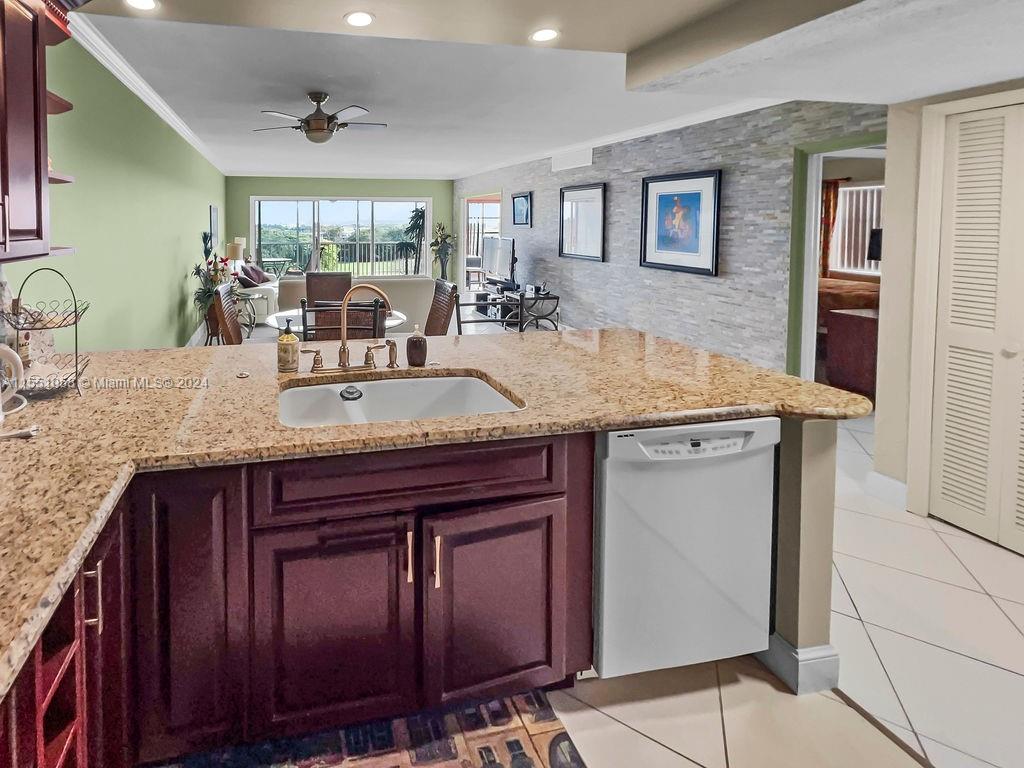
(679, 222)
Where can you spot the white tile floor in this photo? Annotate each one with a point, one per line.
(928, 621)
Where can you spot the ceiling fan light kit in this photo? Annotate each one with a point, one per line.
(319, 126)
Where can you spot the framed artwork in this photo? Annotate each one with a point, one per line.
(581, 222)
(522, 209)
(215, 224)
(679, 222)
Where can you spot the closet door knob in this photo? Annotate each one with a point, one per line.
(1011, 351)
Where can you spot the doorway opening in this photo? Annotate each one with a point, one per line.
(843, 273)
(482, 217)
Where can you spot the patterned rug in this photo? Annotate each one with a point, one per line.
(517, 732)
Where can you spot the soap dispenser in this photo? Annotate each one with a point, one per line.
(416, 348)
(287, 350)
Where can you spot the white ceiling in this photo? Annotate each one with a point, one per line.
(589, 25)
(878, 51)
(453, 108)
(459, 108)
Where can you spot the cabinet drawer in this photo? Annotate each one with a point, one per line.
(344, 486)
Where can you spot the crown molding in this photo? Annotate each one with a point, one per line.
(93, 41)
(694, 118)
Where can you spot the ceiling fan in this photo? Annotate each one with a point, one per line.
(319, 126)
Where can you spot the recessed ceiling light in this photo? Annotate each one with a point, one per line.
(142, 5)
(544, 35)
(359, 19)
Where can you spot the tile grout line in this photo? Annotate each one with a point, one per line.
(925, 527)
(846, 589)
(885, 670)
(943, 648)
(910, 573)
(948, 746)
(983, 589)
(634, 730)
(721, 712)
(857, 440)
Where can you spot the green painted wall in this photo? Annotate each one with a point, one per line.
(241, 188)
(140, 200)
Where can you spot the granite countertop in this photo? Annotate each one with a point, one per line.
(163, 409)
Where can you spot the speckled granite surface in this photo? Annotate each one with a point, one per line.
(148, 410)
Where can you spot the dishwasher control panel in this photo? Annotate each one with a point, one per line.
(696, 446)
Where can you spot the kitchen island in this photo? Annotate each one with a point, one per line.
(164, 414)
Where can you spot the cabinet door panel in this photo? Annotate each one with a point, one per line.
(191, 604)
(106, 663)
(495, 606)
(334, 624)
(23, 174)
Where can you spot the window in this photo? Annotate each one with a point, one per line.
(483, 217)
(362, 236)
(858, 211)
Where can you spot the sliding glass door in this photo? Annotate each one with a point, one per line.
(285, 232)
(361, 236)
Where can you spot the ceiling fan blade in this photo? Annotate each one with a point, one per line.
(350, 112)
(365, 125)
(285, 115)
(276, 128)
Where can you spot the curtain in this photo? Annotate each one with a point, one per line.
(829, 205)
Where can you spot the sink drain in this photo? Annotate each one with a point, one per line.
(351, 393)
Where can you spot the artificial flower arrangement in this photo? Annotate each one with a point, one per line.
(211, 274)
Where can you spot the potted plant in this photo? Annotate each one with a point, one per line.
(443, 246)
(415, 230)
(210, 274)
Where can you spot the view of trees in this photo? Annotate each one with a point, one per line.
(286, 235)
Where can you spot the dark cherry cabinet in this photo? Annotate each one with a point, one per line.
(245, 603)
(24, 184)
(334, 623)
(106, 649)
(191, 610)
(494, 613)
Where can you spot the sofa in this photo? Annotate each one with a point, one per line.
(267, 303)
(409, 294)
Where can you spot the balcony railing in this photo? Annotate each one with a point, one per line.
(362, 259)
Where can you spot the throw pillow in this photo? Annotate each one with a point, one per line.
(246, 282)
(261, 276)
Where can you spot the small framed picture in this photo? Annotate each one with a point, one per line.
(679, 222)
(522, 209)
(581, 223)
(215, 224)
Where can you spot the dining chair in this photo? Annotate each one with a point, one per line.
(444, 304)
(227, 315)
(322, 321)
(327, 286)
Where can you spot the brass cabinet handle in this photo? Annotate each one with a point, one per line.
(408, 557)
(98, 575)
(437, 562)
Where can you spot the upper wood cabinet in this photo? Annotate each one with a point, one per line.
(191, 610)
(24, 185)
(495, 599)
(334, 624)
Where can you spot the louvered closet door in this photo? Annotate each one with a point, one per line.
(978, 395)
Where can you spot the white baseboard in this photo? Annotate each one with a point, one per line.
(803, 670)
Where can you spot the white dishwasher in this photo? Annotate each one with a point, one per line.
(683, 544)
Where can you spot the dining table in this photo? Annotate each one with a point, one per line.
(279, 320)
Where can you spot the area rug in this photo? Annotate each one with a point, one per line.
(517, 732)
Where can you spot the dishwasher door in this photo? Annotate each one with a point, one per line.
(683, 544)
